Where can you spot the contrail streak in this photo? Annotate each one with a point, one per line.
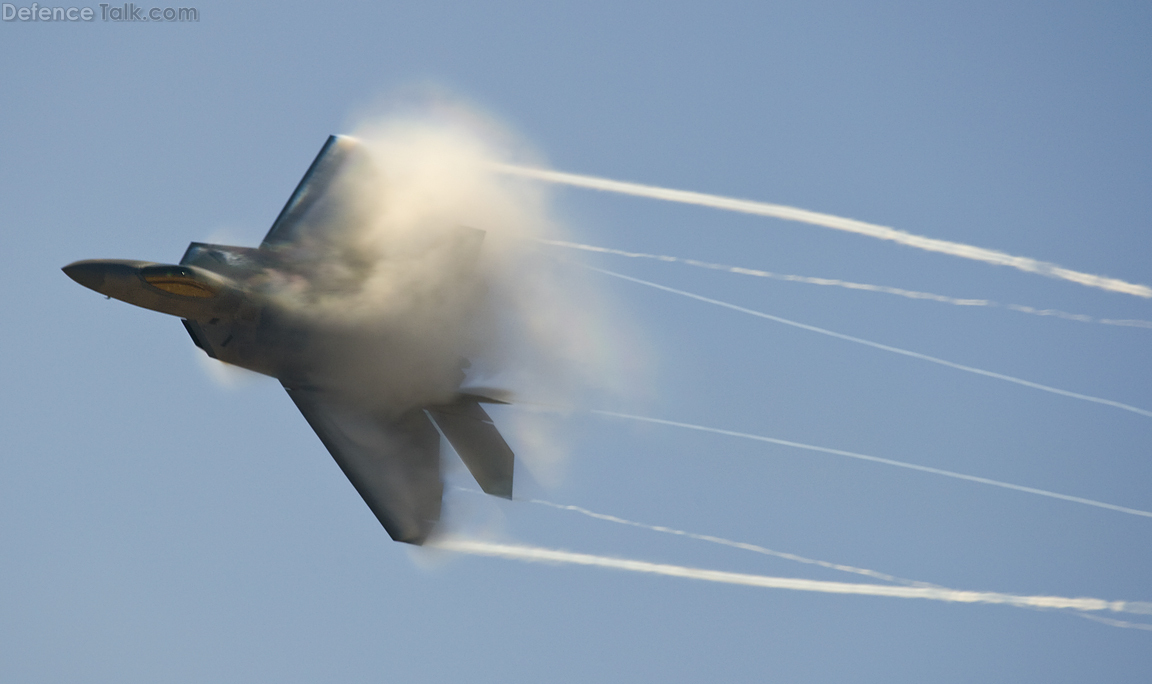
(1127, 322)
(734, 544)
(543, 555)
(885, 461)
(829, 221)
(1117, 623)
(833, 282)
(877, 345)
(719, 540)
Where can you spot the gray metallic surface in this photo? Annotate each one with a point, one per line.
(394, 463)
(390, 454)
(475, 438)
(317, 204)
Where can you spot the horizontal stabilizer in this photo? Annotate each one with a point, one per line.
(475, 438)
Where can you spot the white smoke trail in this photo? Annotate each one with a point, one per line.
(829, 221)
(877, 345)
(885, 461)
(1129, 322)
(910, 294)
(1117, 623)
(734, 544)
(543, 555)
(744, 546)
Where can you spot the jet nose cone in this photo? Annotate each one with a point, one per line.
(88, 273)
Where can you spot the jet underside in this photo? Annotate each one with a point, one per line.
(224, 297)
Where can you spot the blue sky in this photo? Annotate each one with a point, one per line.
(157, 525)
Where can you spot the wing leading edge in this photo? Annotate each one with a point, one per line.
(394, 463)
(315, 205)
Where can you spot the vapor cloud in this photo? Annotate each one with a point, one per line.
(415, 265)
(988, 256)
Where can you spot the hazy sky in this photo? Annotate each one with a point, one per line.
(160, 524)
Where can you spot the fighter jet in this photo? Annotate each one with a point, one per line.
(391, 454)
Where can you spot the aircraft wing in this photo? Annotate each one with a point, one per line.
(394, 463)
(318, 203)
(328, 202)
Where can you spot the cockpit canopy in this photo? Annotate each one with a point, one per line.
(177, 280)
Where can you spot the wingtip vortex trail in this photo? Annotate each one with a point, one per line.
(849, 285)
(884, 461)
(877, 345)
(1084, 605)
(780, 211)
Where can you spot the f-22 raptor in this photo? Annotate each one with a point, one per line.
(391, 457)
